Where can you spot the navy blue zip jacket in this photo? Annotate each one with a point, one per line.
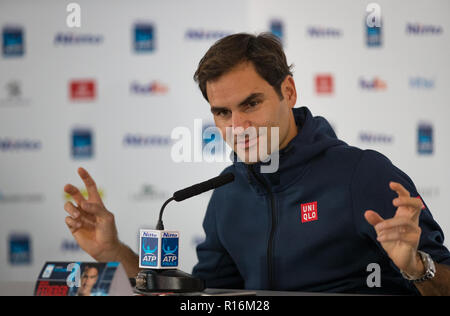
(302, 228)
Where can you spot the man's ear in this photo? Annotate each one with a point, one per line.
(289, 91)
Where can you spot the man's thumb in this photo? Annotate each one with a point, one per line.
(373, 218)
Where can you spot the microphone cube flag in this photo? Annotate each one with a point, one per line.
(158, 249)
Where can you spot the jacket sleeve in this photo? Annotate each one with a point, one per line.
(370, 190)
(215, 266)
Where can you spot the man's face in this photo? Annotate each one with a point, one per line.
(242, 100)
(89, 278)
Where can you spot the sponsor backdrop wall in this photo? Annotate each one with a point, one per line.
(107, 95)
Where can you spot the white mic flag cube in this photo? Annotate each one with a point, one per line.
(158, 249)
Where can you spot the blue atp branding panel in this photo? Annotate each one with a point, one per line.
(149, 242)
(158, 249)
(169, 249)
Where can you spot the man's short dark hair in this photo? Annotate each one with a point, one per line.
(264, 51)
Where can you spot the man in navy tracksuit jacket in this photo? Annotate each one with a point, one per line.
(258, 241)
(329, 217)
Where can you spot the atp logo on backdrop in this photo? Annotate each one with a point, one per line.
(13, 41)
(82, 143)
(277, 29)
(373, 25)
(144, 40)
(19, 249)
(425, 139)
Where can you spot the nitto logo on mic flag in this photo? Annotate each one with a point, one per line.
(158, 249)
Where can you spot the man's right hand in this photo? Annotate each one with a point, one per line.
(90, 223)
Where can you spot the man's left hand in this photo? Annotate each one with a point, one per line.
(400, 235)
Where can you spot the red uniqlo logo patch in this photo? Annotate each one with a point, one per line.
(324, 84)
(82, 90)
(309, 212)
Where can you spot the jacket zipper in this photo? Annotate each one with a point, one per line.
(272, 231)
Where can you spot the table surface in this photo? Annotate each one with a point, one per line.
(10, 288)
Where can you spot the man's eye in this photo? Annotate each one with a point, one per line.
(222, 113)
(253, 103)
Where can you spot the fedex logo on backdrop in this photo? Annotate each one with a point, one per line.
(308, 212)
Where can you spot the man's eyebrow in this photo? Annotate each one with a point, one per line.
(218, 109)
(251, 97)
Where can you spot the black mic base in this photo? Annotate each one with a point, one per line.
(172, 280)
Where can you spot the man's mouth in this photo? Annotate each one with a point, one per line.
(248, 143)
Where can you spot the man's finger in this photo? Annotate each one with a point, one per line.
(72, 209)
(373, 217)
(73, 224)
(93, 209)
(75, 193)
(408, 201)
(397, 187)
(395, 222)
(90, 185)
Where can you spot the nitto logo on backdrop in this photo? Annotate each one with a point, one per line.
(423, 29)
(324, 84)
(82, 90)
(421, 83)
(17, 145)
(138, 140)
(21, 197)
(375, 138)
(152, 88)
(13, 41)
(77, 39)
(144, 38)
(82, 143)
(323, 32)
(425, 139)
(200, 34)
(375, 84)
(19, 249)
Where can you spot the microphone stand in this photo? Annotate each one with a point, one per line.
(174, 280)
(167, 280)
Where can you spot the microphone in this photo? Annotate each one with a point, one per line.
(194, 190)
(158, 249)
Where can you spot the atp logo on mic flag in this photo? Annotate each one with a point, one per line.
(309, 212)
(158, 249)
(148, 249)
(169, 249)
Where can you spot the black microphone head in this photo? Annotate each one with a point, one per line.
(203, 187)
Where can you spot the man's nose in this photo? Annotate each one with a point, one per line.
(239, 121)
